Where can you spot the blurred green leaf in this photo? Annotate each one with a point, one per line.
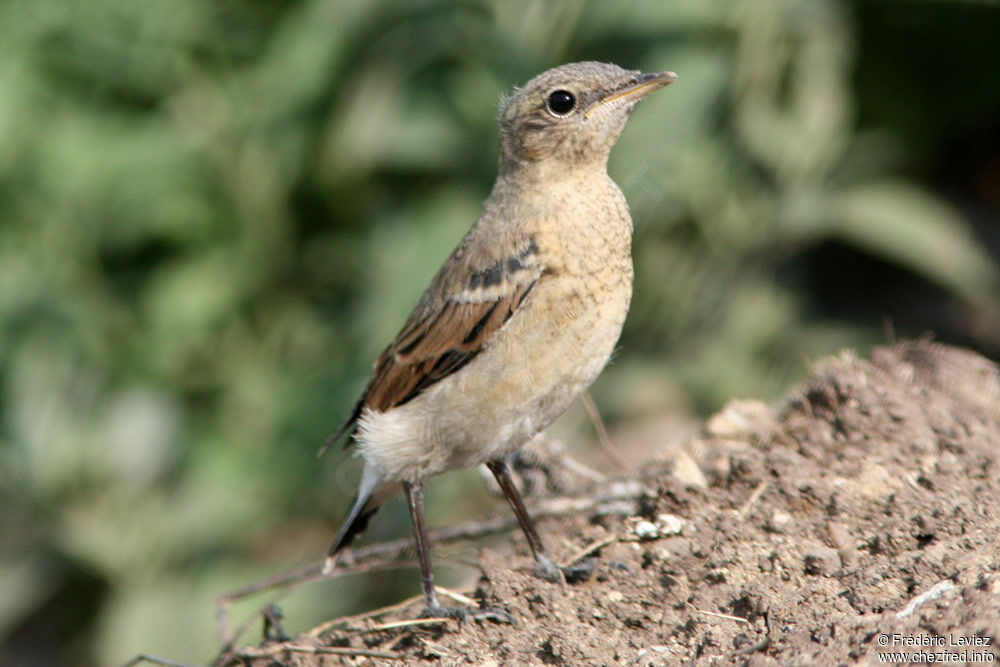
(915, 230)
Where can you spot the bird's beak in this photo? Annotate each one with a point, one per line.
(634, 90)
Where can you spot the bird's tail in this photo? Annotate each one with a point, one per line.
(365, 505)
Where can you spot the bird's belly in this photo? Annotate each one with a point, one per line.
(512, 390)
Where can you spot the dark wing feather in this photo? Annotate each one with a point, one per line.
(436, 347)
(438, 341)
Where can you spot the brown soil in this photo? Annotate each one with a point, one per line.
(868, 506)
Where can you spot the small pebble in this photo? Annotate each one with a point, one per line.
(665, 526)
(779, 521)
(687, 471)
(669, 524)
(646, 530)
(823, 561)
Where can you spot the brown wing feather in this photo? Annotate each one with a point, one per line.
(436, 347)
(436, 342)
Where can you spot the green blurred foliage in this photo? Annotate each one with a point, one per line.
(214, 215)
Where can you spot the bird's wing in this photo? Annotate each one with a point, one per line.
(468, 302)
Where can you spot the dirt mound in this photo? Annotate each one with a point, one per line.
(864, 517)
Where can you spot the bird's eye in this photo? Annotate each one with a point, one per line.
(561, 102)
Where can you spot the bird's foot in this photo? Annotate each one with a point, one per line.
(463, 614)
(546, 569)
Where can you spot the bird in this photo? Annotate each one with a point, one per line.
(519, 320)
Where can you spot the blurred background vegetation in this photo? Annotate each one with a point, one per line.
(213, 215)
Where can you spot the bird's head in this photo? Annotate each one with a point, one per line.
(572, 114)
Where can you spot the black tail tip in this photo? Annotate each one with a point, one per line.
(347, 533)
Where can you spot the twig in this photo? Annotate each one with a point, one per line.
(344, 620)
(593, 546)
(251, 653)
(738, 619)
(754, 497)
(586, 472)
(305, 573)
(142, 657)
(434, 647)
(222, 622)
(403, 624)
(336, 650)
(457, 597)
(602, 433)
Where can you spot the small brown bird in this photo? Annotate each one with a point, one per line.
(521, 318)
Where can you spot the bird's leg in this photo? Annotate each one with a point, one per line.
(433, 606)
(545, 567)
(415, 500)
